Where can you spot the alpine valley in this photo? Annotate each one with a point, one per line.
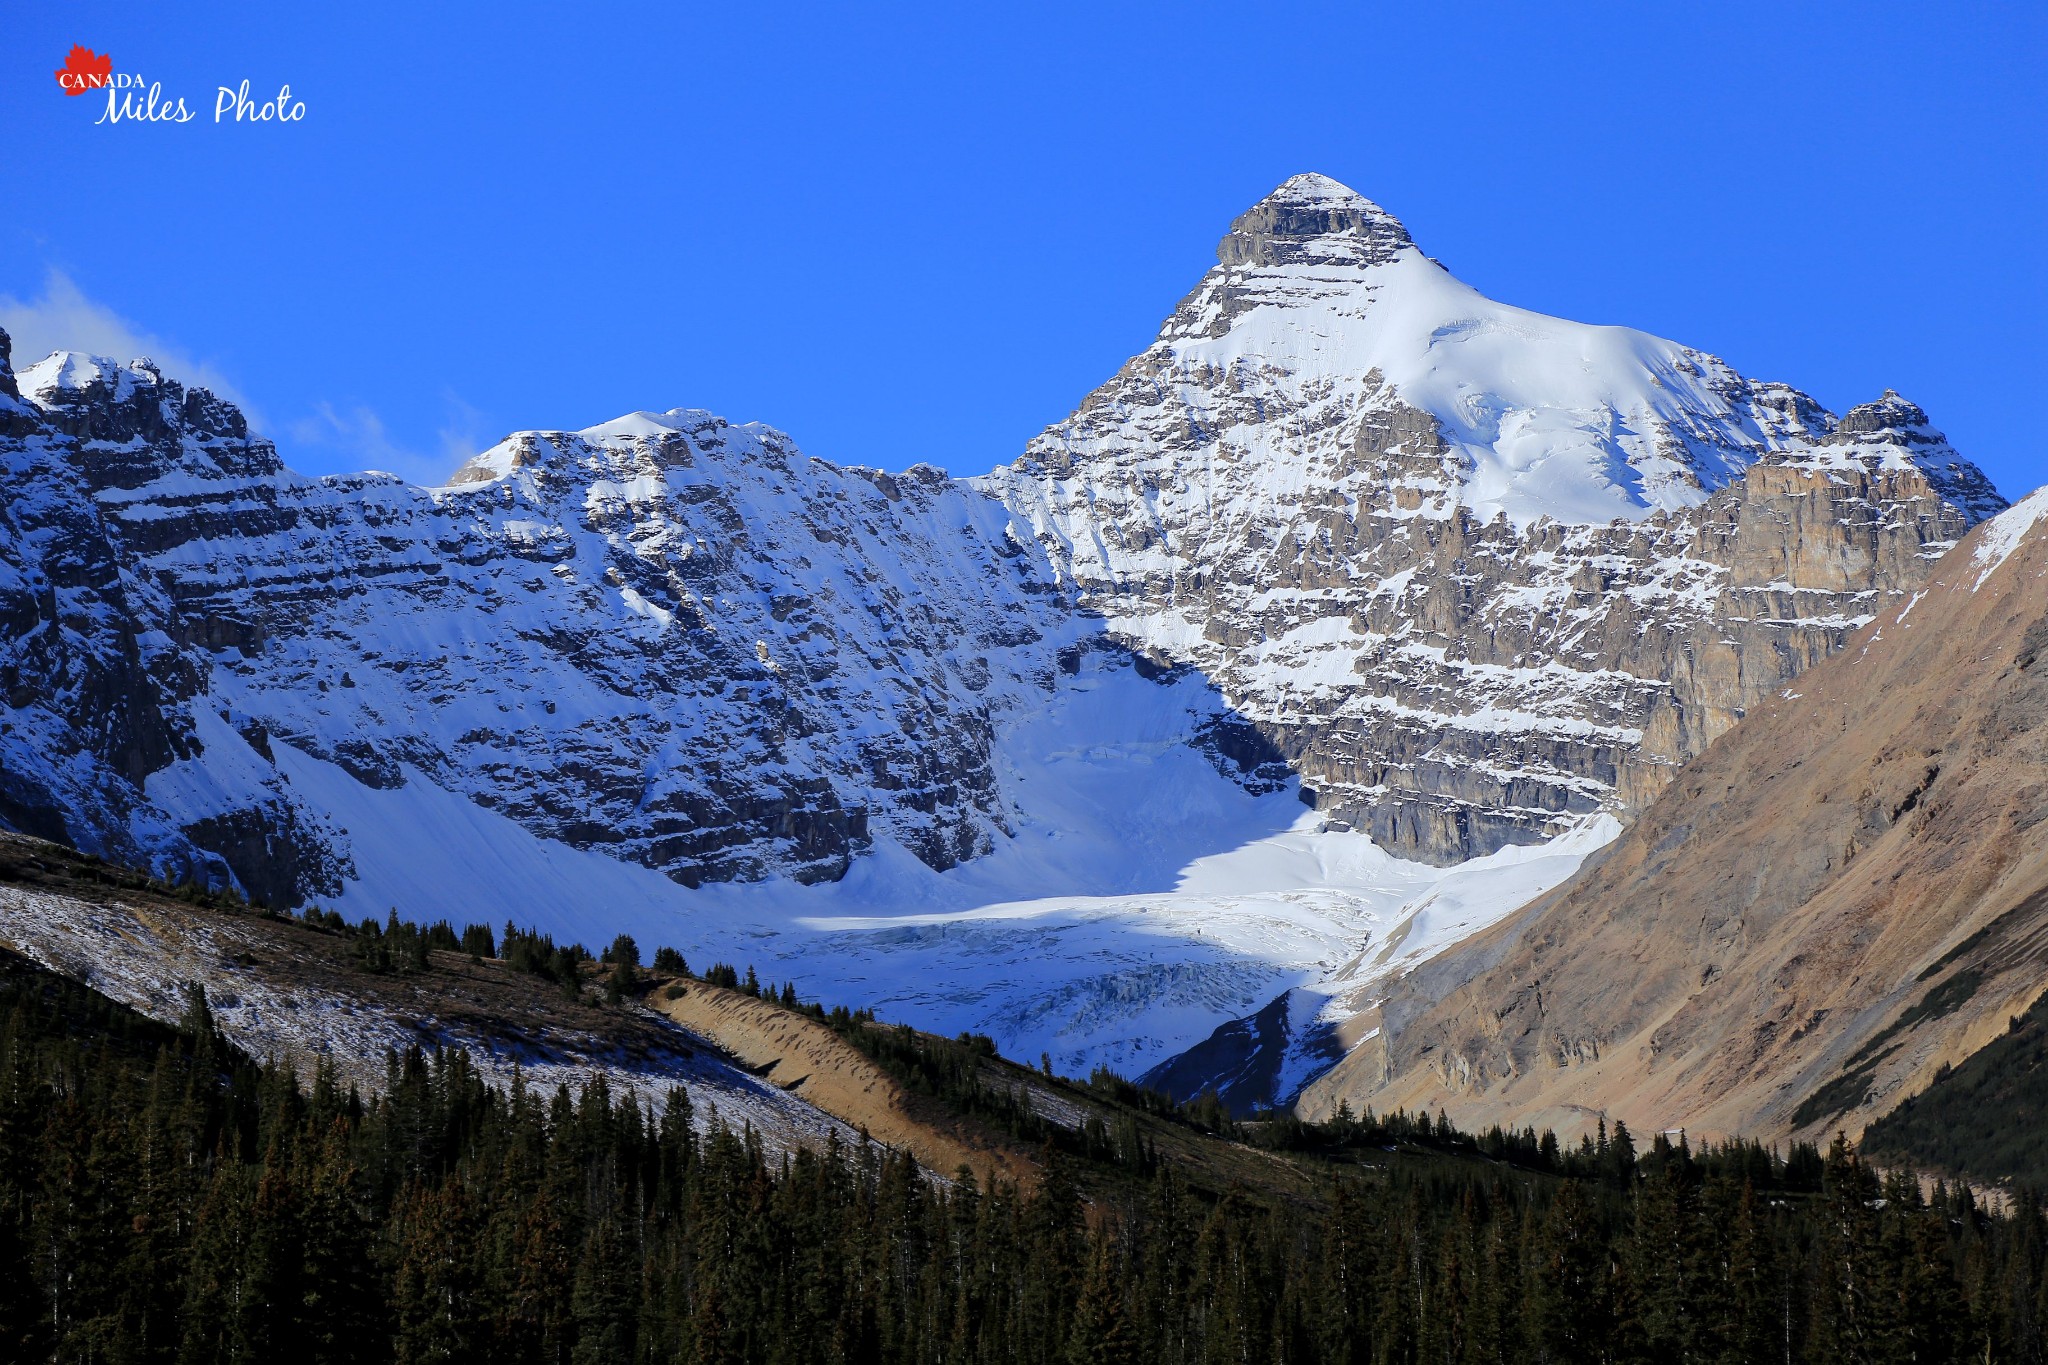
(1370, 688)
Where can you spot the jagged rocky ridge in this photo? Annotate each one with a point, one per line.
(670, 638)
(1470, 572)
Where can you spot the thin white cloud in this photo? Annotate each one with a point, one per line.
(64, 319)
(357, 436)
(343, 436)
(465, 432)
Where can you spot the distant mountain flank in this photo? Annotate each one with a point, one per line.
(1843, 898)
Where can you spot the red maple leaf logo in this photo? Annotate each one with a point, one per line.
(85, 70)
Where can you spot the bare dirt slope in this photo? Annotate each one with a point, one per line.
(806, 1058)
(1846, 891)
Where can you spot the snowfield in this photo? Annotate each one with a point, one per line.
(1142, 900)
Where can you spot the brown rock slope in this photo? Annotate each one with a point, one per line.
(808, 1059)
(1847, 890)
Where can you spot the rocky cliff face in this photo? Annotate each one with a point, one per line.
(1470, 571)
(676, 640)
(101, 678)
(1843, 895)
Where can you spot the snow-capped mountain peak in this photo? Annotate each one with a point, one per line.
(1390, 516)
(1323, 311)
(61, 370)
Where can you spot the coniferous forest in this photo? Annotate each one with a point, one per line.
(163, 1198)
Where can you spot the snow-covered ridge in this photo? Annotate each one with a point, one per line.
(2006, 533)
(1893, 434)
(674, 638)
(61, 370)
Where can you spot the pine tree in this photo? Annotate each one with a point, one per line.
(1346, 1266)
(1572, 1311)
(341, 1295)
(1849, 1306)
(1663, 1253)
(434, 1286)
(214, 1329)
(606, 1296)
(1101, 1332)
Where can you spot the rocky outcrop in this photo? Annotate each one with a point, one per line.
(1841, 897)
(100, 697)
(1471, 572)
(1259, 1062)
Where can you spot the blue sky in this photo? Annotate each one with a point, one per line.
(908, 233)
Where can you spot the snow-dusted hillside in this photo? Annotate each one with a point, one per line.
(288, 1012)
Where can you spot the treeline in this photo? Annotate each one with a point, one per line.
(1988, 1116)
(164, 1199)
(1610, 1159)
(955, 1072)
(403, 945)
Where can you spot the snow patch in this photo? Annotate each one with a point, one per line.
(2006, 532)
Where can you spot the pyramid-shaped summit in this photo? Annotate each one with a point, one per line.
(1314, 220)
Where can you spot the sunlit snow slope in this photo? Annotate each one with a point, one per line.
(1143, 900)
